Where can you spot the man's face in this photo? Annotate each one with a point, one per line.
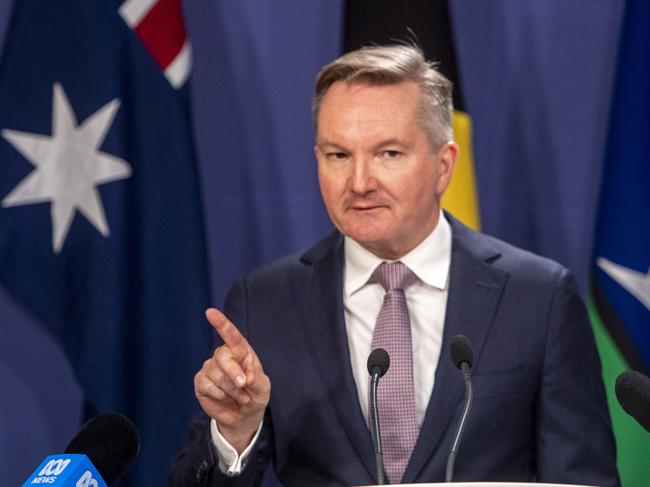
(380, 178)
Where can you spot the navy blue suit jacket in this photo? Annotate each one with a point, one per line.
(539, 408)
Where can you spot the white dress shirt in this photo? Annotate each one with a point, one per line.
(426, 300)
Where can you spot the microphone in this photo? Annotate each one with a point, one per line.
(633, 394)
(378, 363)
(463, 358)
(96, 457)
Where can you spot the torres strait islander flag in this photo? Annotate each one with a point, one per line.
(101, 230)
(620, 299)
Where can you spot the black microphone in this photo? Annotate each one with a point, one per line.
(633, 394)
(463, 358)
(110, 441)
(378, 363)
(97, 455)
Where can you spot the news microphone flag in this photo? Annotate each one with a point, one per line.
(71, 470)
(101, 230)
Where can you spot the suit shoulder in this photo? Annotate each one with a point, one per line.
(516, 259)
(275, 268)
(516, 262)
(282, 267)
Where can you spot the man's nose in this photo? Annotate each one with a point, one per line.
(362, 179)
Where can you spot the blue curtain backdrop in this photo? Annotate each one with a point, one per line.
(537, 78)
(255, 66)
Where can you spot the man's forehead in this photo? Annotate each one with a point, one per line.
(362, 106)
(367, 101)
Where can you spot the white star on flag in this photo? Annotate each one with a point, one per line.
(635, 282)
(68, 166)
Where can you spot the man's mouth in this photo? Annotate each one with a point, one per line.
(364, 208)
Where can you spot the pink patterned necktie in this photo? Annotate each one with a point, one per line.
(396, 393)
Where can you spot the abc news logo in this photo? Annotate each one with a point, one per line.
(54, 468)
(87, 480)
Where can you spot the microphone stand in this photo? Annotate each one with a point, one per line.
(461, 426)
(374, 427)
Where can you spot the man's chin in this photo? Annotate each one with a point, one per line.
(371, 240)
(365, 236)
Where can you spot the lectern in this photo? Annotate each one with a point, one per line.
(486, 484)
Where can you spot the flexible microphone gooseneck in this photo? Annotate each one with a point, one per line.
(378, 363)
(463, 358)
(633, 394)
(110, 441)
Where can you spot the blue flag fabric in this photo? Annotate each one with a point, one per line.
(101, 231)
(622, 241)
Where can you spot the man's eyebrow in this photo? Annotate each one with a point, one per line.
(330, 145)
(392, 142)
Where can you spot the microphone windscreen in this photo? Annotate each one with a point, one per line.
(378, 358)
(110, 441)
(461, 351)
(633, 394)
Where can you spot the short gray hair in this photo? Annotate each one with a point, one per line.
(388, 65)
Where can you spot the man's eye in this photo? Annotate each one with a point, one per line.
(336, 156)
(391, 154)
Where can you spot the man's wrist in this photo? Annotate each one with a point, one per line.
(231, 462)
(239, 438)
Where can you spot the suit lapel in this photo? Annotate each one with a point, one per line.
(475, 288)
(318, 291)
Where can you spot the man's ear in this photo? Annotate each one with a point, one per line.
(446, 156)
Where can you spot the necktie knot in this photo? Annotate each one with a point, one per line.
(393, 275)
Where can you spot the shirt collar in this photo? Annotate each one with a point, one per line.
(429, 261)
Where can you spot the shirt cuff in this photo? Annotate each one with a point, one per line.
(230, 463)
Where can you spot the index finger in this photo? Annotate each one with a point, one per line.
(229, 333)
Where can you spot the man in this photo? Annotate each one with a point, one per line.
(290, 385)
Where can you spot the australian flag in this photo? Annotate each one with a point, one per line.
(101, 230)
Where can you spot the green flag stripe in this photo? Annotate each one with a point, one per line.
(617, 332)
(632, 441)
